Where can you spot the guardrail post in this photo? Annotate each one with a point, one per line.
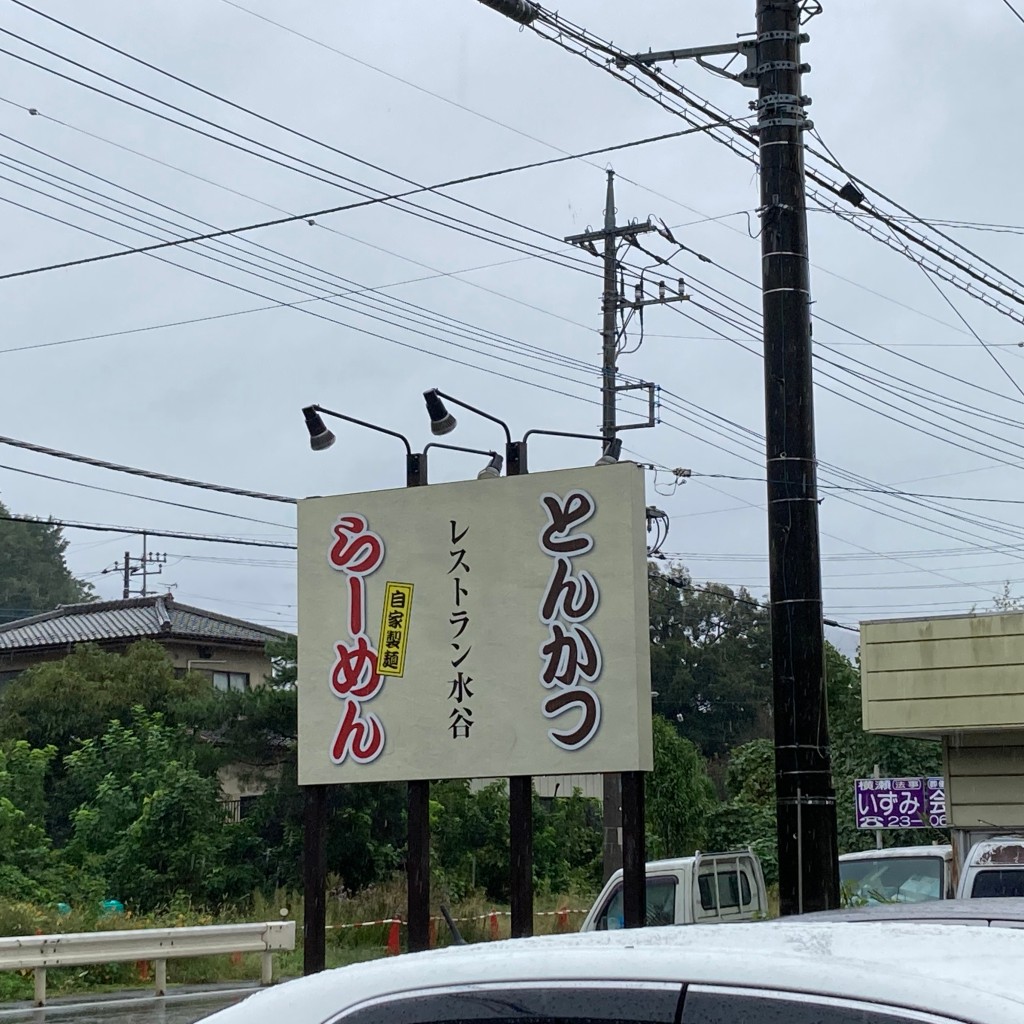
(160, 971)
(266, 968)
(39, 974)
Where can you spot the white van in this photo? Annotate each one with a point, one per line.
(902, 874)
(993, 867)
(702, 889)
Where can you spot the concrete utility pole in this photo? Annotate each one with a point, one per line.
(808, 867)
(805, 801)
(150, 564)
(610, 235)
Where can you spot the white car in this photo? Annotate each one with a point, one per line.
(742, 974)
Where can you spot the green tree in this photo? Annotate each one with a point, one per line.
(567, 853)
(34, 576)
(59, 703)
(255, 735)
(26, 860)
(747, 817)
(710, 661)
(855, 754)
(153, 826)
(680, 795)
(470, 837)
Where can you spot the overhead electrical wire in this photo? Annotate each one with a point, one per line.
(380, 197)
(314, 214)
(145, 497)
(651, 83)
(246, 110)
(358, 293)
(148, 474)
(137, 531)
(323, 44)
(370, 194)
(321, 316)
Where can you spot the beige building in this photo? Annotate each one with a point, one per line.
(231, 652)
(960, 680)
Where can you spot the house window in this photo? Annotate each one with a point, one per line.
(235, 682)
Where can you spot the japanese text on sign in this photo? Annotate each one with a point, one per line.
(570, 655)
(357, 552)
(460, 692)
(901, 803)
(394, 628)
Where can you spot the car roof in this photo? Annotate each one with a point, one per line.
(681, 863)
(899, 851)
(991, 910)
(980, 980)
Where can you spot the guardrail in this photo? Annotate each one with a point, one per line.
(38, 952)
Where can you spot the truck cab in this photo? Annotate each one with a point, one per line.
(993, 867)
(702, 889)
(902, 874)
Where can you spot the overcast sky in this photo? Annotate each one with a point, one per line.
(919, 98)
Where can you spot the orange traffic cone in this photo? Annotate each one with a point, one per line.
(393, 942)
(494, 926)
(562, 921)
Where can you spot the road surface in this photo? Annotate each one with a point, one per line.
(174, 1009)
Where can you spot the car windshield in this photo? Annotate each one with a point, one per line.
(661, 905)
(998, 882)
(891, 879)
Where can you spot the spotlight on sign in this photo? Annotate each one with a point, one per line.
(441, 420)
(320, 438)
(612, 451)
(493, 468)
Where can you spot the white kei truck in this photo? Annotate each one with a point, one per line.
(703, 889)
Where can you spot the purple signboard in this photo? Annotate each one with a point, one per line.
(900, 803)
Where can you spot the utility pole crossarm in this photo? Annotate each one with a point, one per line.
(689, 53)
(623, 232)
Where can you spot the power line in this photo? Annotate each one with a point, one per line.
(738, 600)
(359, 293)
(144, 497)
(1016, 13)
(453, 274)
(669, 94)
(246, 110)
(351, 185)
(147, 473)
(300, 308)
(65, 524)
(313, 214)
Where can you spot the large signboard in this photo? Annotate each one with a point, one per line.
(901, 803)
(475, 629)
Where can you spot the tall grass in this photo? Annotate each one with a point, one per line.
(477, 919)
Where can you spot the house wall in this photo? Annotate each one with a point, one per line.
(208, 658)
(932, 677)
(985, 780)
(235, 659)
